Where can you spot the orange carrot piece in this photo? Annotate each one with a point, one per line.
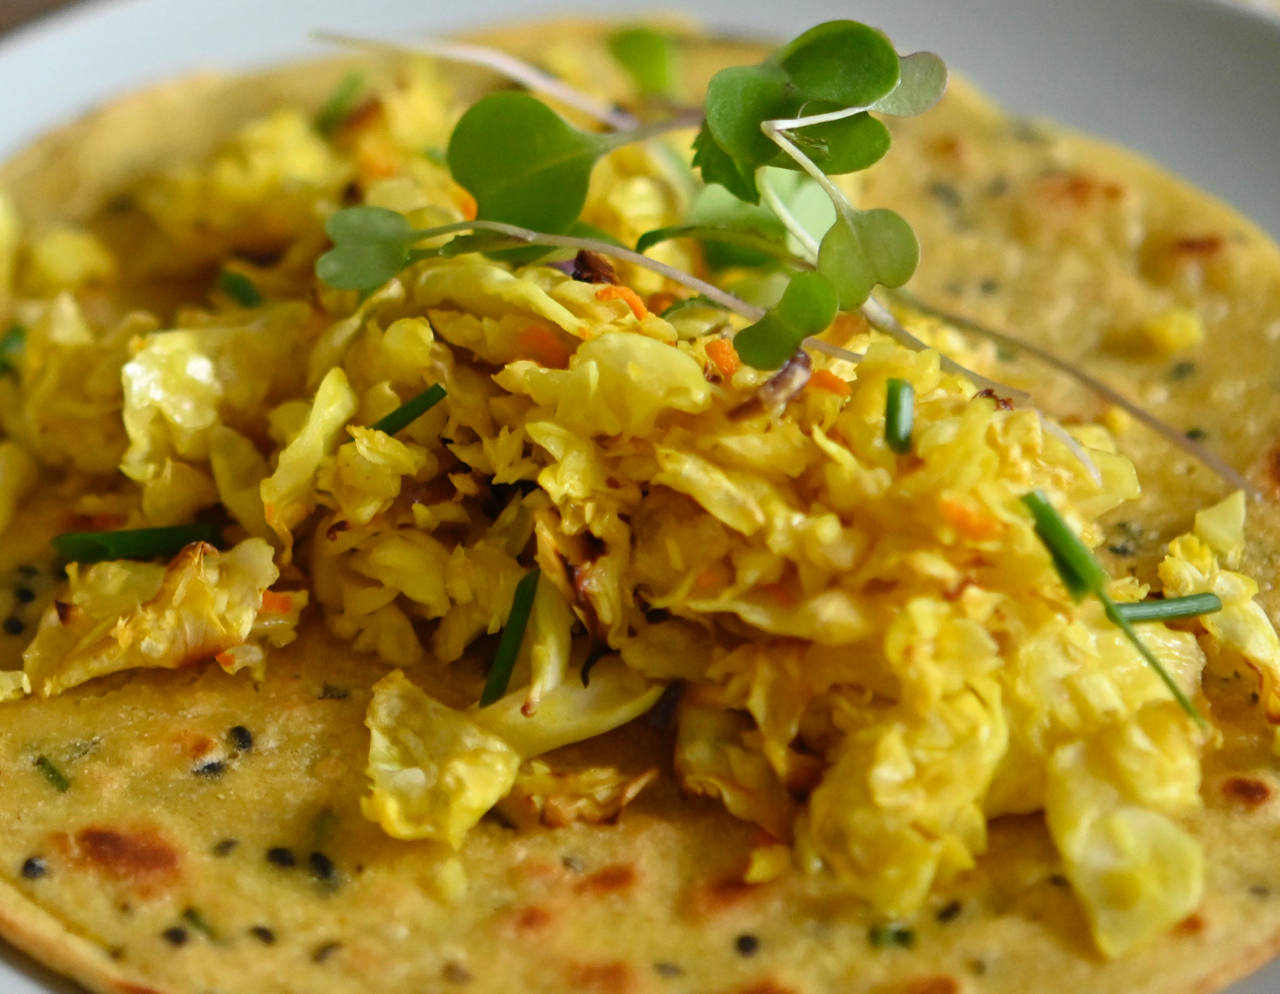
(543, 347)
(624, 293)
(824, 379)
(725, 356)
(661, 300)
(274, 603)
(971, 520)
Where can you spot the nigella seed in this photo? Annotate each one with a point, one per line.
(321, 866)
(263, 935)
(747, 945)
(282, 857)
(14, 626)
(668, 970)
(323, 953)
(25, 595)
(241, 738)
(212, 770)
(331, 693)
(35, 868)
(176, 936)
(949, 912)
(574, 864)
(226, 847)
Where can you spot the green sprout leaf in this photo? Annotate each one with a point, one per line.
(738, 99)
(371, 246)
(717, 166)
(807, 307)
(341, 102)
(923, 82)
(12, 344)
(864, 248)
(838, 147)
(651, 58)
(844, 62)
(523, 163)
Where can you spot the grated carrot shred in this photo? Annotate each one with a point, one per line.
(725, 356)
(624, 293)
(274, 603)
(970, 520)
(543, 347)
(824, 379)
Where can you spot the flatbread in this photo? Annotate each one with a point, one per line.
(187, 858)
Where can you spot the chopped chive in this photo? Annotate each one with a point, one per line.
(193, 918)
(137, 543)
(54, 775)
(509, 647)
(1151, 659)
(341, 102)
(899, 412)
(12, 343)
(885, 936)
(1191, 606)
(1082, 574)
(409, 411)
(239, 288)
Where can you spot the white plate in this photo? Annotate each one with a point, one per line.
(1194, 84)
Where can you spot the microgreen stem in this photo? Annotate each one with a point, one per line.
(775, 134)
(789, 123)
(1191, 606)
(1197, 451)
(500, 62)
(882, 320)
(835, 351)
(727, 300)
(769, 195)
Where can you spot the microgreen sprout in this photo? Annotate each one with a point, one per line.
(504, 660)
(137, 543)
(1083, 576)
(899, 414)
(651, 58)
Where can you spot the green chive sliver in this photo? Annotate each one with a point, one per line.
(1191, 606)
(12, 344)
(409, 411)
(899, 413)
(197, 921)
(137, 543)
(341, 102)
(1082, 574)
(239, 288)
(512, 636)
(54, 775)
